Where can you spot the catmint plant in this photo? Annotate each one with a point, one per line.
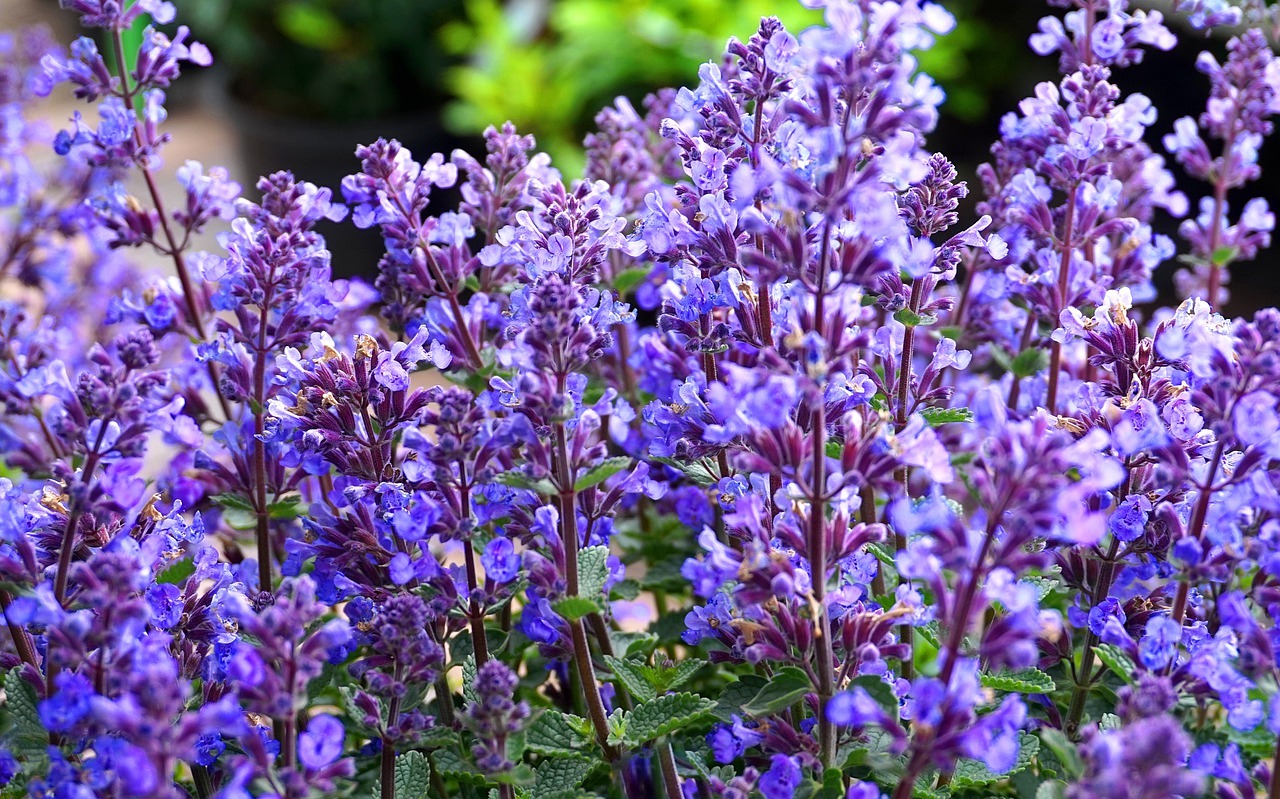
(747, 465)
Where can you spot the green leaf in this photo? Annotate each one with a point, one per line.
(910, 318)
(1044, 584)
(1115, 659)
(1064, 750)
(450, 764)
(469, 672)
(601, 472)
(1223, 256)
(558, 776)
(311, 25)
(697, 471)
(287, 508)
(736, 694)
(236, 511)
(573, 608)
(412, 777)
(974, 774)
(1029, 362)
(664, 715)
(628, 279)
(27, 735)
(930, 632)
(593, 571)
(556, 734)
(1025, 681)
(940, 416)
(880, 691)
(673, 678)
(628, 644)
(518, 479)
(1053, 789)
(229, 500)
(786, 687)
(634, 676)
(625, 589)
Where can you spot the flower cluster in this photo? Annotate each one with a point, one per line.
(744, 466)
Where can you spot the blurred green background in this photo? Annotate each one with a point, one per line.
(547, 65)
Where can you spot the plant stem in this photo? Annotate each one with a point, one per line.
(1064, 285)
(906, 631)
(670, 779)
(818, 564)
(1097, 593)
(203, 782)
(174, 251)
(388, 755)
(1198, 516)
(475, 613)
(73, 518)
(21, 640)
(444, 699)
(263, 520)
(578, 634)
(1274, 792)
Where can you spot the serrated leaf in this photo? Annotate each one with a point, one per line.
(518, 479)
(878, 690)
(1053, 789)
(602, 471)
(349, 707)
(412, 778)
(230, 500)
(940, 416)
(450, 764)
(593, 571)
(931, 633)
(673, 678)
(573, 608)
(469, 672)
(1024, 681)
(27, 735)
(736, 694)
(696, 471)
(666, 714)
(974, 774)
(1044, 584)
(1064, 750)
(287, 508)
(560, 776)
(556, 734)
(1115, 659)
(786, 687)
(632, 674)
(625, 589)
(628, 644)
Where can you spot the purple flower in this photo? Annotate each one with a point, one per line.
(501, 563)
(321, 743)
(782, 778)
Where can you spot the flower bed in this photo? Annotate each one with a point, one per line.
(751, 470)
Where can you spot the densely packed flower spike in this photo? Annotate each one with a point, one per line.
(745, 466)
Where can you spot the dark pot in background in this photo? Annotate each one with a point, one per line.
(323, 152)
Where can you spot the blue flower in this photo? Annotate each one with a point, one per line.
(501, 563)
(321, 743)
(782, 778)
